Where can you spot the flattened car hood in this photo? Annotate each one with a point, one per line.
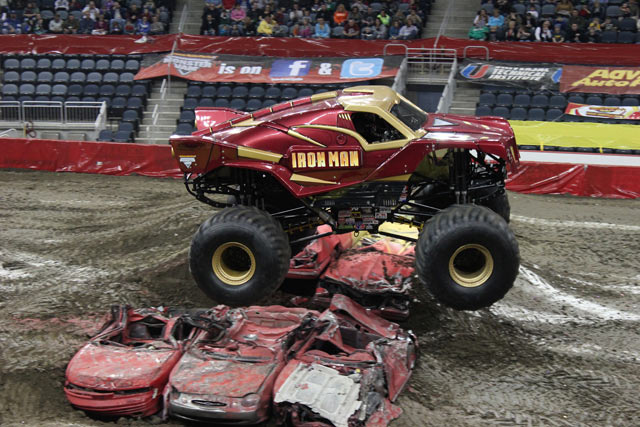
(219, 377)
(100, 367)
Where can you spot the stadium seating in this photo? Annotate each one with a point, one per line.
(87, 78)
(550, 106)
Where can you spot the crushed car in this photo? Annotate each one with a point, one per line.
(227, 373)
(348, 372)
(124, 368)
(353, 160)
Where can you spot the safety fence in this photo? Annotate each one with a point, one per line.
(85, 114)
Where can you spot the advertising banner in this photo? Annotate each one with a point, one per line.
(603, 112)
(259, 69)
(526, 75)
(613, 80)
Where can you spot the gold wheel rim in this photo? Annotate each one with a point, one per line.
(471, 265)
(233, 263)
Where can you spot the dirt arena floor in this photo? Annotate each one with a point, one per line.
(562, 348)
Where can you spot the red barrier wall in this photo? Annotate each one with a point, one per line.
(91, 157)
(156, 160)
(562, 53)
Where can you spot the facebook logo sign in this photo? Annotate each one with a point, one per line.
(289, 68)
(363, 68)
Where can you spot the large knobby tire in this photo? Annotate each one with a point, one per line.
(239, 256)
(499, 203)
(467, 256)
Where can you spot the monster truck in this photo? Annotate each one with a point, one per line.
(352, 159)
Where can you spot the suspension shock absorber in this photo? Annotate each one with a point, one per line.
(459, 175)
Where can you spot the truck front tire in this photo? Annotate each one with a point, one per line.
(239, 256)
(467, 256)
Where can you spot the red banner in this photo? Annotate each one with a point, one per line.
(261, 69)
(604, 111)
(612, 80)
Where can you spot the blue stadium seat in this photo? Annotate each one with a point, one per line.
(487, 98)
(268, 103)
(11, 77)
(91, 90)
(190, 104)
(28, 77)
(222, 103)
(630, 102)
(126, 78)
(238, 104)
(117, 65)
(289, 93)
(61, 77)
(521, 100)
(518, 113)
(253, 104)
(503, 112)
(118, 105)
(305, 92)
(626, 37)
(576, 99)
(594, 100)
(208, 91)
(187, 116)
(105, 135)
(132, 65)
(557, 101)
(103, 65)
(27, 89)
(28, 64)
(184, 129)
(123, 90)
(11, 64)
(43, 89)
(139, 90)
(94, 77)
(272, 93)
(78, 77)
(88, 65)
(131, 116)
(45, 77)
(9, 90)
(43, 64)
(110, 77)
(193, 91)
(123, 136)
(59, 90)
(73, 64)
(256, 92)
(240, 92)
(553, 114)
(58, 64)
(613, 12)
(609, 36)
(541, 101)
(107, 90)
(135, 103)
(612, 101)
(224, 92)
(536, 114)
(483, 110)
(504, 100)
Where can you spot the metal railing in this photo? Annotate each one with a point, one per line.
(8, 133)
(51, 112)
(445, 21)
(185, 12)
(446, 100)
(400, 81)
(485, 49)
(431, 60)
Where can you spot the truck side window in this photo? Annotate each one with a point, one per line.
(374, 128)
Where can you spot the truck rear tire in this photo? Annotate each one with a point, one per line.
(239, 256)
(500, 205)
(467, 256)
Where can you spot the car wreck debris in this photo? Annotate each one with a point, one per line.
(342, 367)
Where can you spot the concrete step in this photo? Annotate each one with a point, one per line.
(459, 104)
(463, 111)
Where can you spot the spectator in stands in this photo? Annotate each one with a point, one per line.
(306, 30)
(577, 19)
(324, 13)
(157, 27)
(496, 20)
(322, 29)
(379, 30)
(417, 20)
(530, 21)
(575, 34)
(592, 36)
(296, 13)
(351, 29)
(208, 27)
(524, 34)
(558, 34)
(116, 14)
(394, 31)
(408, 30)
(543, 33)
(38, 26)
(101, 27)
(129, 28)
(249, 27)
(607, 25)
(266, 26)
(30, 11)
(340, 15)
(478, 33)
(595, 23)
(237, 14)
(116, 28)
(384, 18)
(565, 7)
(61, 5)
(143, 26)
(71, 25)
(55, 25)
(235, 30)
(75, 5)
(482, 19)
(511, 33)
(355, 14)
(596, 10)
(92, 10)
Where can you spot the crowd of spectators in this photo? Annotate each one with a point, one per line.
(97, 17)
(557, 21)
(382, 19)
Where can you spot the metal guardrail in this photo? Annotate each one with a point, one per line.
(50, 112)
(185, 12)
(431, 61)
(446, 100)
(487, 55)
(445, 21)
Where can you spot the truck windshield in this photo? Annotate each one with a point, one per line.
(409, 115)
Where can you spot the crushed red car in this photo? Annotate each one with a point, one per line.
(375, 271)
(124, 368)
(348, 372)
(227, 373)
